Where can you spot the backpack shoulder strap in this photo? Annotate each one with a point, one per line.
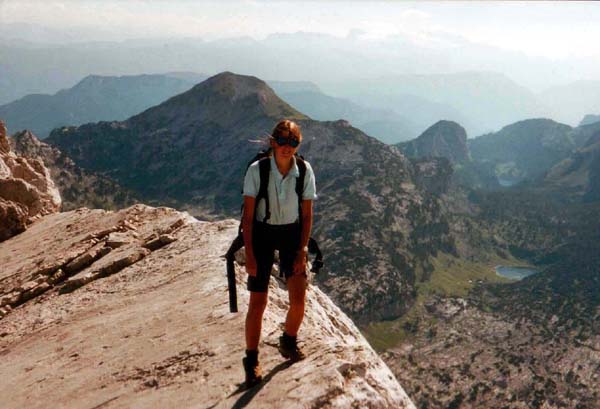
(300, 183)
(300, 180)
(264, 167)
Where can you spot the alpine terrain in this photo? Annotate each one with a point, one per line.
(376, 219)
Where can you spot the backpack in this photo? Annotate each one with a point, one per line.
(264, 167)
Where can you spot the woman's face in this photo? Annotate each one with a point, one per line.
(283, 151)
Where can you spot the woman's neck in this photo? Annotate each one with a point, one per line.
(284, 165)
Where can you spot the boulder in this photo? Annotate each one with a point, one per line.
(13, 218)
(26, 190)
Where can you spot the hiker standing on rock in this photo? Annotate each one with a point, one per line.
(277, 217)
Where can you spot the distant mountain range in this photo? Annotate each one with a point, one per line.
(480, 101)
(65, 56)
(391, 108)
(385, 125)
(95, 98)
(541, 152)
(569, 103)
(100, 98)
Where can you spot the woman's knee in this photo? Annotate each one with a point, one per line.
(297, 291)
(258, 303)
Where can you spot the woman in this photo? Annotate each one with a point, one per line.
(283, 225)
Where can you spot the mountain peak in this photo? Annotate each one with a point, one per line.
(230, 80)
(91, 80)
(589, 119)
(445, 125)
(221, 99)
(235, 87)
(445, 139)
(533, 122)
(26, 136)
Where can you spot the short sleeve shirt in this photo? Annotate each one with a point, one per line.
(283, 201)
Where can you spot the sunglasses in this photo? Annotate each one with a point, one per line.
(281, 141)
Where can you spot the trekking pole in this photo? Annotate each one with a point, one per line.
(237, 244)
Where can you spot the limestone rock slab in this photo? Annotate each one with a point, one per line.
(158, 332)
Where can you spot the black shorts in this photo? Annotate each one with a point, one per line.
(266, 238)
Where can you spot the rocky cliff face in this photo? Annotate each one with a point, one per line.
(77, 187)
(130, 309)
(377, 224)
(26, 190)
(444, 139)
(579, 174)
(463, 357)
(376, 221)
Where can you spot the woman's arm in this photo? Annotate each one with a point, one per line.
(307, 220)
(247, 224)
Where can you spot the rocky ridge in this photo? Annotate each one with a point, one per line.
(131, 309)
(26, 190)
(77, 187)
(579, 173)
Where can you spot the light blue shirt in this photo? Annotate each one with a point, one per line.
(283, 201)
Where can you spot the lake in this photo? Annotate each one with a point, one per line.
(515, 273)
(506, 182)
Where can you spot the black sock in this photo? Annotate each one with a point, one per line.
(252, 354)
(288, 337)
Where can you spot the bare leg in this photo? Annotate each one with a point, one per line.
(256, 308)
(296, 285)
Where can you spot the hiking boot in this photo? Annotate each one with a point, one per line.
(253, 372)
(288, 348)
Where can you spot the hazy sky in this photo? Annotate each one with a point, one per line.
(549, 29)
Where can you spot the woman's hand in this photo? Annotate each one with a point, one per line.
(300, 263)
(251, 266)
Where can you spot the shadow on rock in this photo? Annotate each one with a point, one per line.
(251, 393)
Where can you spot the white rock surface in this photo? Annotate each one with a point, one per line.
(155, 331)
(26, 190)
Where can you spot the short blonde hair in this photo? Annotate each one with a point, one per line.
(287, 129)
